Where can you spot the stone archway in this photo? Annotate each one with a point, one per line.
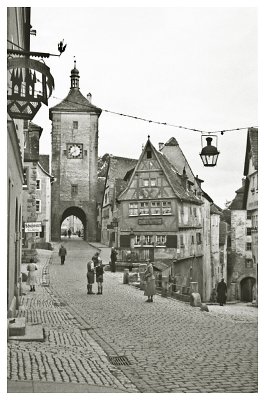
(247, 286)
(79, 213)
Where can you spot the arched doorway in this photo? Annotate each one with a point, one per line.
(77, 221)
(246, 286)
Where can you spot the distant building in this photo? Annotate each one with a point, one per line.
(31, 205)
(116, 171)
(43, 201)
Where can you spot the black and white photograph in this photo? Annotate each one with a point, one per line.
(131, 178)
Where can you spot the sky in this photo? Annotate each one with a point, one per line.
(187, 66)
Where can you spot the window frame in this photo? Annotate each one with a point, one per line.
(38, 187)
(38, 205)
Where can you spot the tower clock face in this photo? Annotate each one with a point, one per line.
(74, 150)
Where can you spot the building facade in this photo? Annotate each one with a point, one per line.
(116, 171)
(32, 134)
(18, 35)
(43, 202)
(160, 218)
(74, 161)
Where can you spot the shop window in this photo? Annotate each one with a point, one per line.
(161, 240)
(147, 239)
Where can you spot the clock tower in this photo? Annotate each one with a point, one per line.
(74, 160)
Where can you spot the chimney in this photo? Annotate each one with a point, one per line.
(160, 146)
(89, 97)
(184, 179)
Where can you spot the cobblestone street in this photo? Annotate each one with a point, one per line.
(168, 345)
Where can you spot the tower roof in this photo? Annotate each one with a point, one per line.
(75, 101)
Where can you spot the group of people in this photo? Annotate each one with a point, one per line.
(95, 268)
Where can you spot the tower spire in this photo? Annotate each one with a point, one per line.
(75, 77)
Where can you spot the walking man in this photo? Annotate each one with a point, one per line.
(62, 253)
(221, 292)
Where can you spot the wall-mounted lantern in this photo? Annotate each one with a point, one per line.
(30, 85)
(209, 153)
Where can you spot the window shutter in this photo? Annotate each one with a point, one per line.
(42, 231)
(124, 241)
(172, 241)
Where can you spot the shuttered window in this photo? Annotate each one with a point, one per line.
(172, 241)
(124, 241)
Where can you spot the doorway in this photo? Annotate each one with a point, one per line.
(246, 286)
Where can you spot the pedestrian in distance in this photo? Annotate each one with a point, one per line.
(62, 253)
(99, 277)
(150, 288)
(113, 259)
(69, 233)
(90, 277)
(32, 275)
(221, 292)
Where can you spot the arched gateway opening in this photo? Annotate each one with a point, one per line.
(247, 287)
(75, 224)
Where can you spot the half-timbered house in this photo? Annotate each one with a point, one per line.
(159, 217)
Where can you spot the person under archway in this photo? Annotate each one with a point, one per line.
(221, 292)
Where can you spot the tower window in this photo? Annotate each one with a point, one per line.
(75, 124)
(38, 184)
(74, 189)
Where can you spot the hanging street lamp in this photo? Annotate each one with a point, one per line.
(209, 153)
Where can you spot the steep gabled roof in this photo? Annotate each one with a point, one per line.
(171, 174)
(238, 202)
(117, 169)
(75, 102)
(214, 209)
(119, 166)
(44, 161)
(251, 149)
(175, 180)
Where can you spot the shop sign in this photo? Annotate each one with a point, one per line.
(32, 226)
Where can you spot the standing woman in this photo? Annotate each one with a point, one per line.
(99, 277)
(90, 277)
(32, 275)
(150, 288)
(113, 258)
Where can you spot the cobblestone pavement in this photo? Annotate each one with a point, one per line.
(169, 345)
